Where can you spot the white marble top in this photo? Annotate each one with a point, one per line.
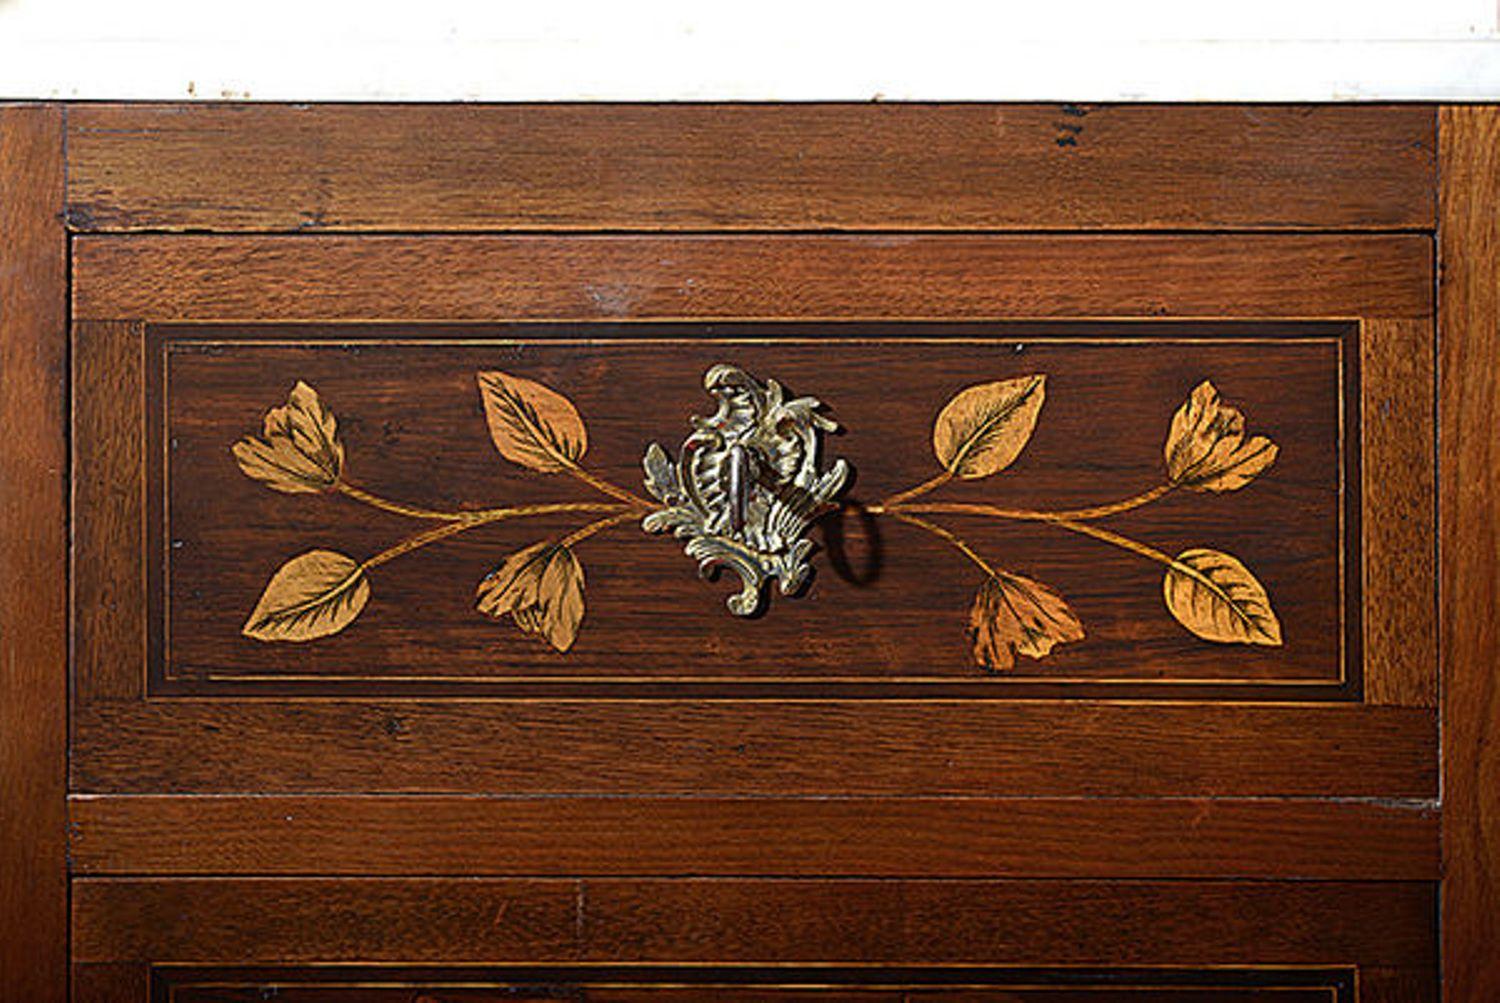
(786, 50)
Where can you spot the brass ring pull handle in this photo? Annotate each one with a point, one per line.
(746, 484)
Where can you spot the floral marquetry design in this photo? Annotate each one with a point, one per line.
(984, 429)
(746, 486)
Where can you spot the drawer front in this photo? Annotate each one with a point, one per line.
(956, 616)
(1070, 522)
(304, 510)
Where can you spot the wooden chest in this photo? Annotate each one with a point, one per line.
(817, 553)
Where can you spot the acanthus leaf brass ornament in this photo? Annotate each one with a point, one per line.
(746, 485)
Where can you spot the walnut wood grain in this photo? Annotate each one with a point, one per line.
(748, 748)
(479, 278)
(112, 982)
(109, 595)
(1469, 402)
(1399, 519)
(1399, 985)
(33, 556)
(737, 921)
(783, 837)
(738, 167)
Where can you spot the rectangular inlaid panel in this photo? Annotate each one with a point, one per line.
(1031, 509)
(730, 985)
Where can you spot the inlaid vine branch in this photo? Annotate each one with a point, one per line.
(979, 433)
(983, 430)
(541, 587)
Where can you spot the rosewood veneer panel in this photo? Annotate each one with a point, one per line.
(888, 607)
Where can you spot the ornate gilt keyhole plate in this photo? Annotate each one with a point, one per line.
(746, 485)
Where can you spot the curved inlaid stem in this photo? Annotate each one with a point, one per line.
(914, 492)
(1115, 539)
(947, 536)
(1060, 519)
(416, 542)
(617, 513)
(584, 532)
(401, 508)
(1025, 515)
(613, 490)
(483, 515)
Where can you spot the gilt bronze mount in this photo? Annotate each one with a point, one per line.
(746, 485)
